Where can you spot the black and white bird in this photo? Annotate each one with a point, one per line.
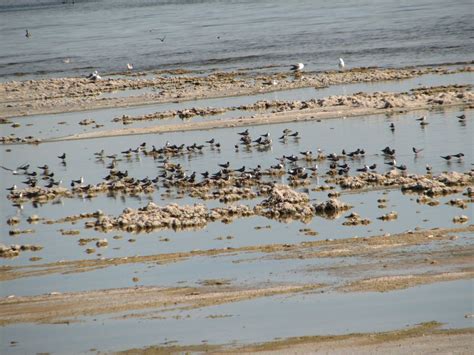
(297, 67)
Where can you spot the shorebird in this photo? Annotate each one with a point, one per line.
(94, 76)
(13, 188)
(244, 133)
(461, 117)
(447, 157)
(459, 155)
(297, 67)
(27, 33)
(341, 64)
(416, 151)
(422, 118)
(62, 157)
(364, 169)
(293, 134)
(129, 66)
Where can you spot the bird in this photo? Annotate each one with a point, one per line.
(13, 188)
(162, 39)
(27, 33)
(66, 60)
(416, 151)
(461, 117)
(297, 67)
(293, 134)
(211, 141)
(129, 66)
(266, 135)
(429, 169)
(447, 157)
(364, 169)
(459, 155)
(373, 166)
(244, 133)
(94, 76)
(392, 126)
(62, 157)
(392, 163)
(422, 118)
(341, 65)
(225, 166)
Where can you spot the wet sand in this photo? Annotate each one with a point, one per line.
(76, 94)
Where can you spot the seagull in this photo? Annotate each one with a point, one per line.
(297, 67)
(27, 34)
(341, 64)
(94, 76)
(129, 66)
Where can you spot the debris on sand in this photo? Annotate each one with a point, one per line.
(15, 249)
(331, 208)
(285, 203)
(389, 216)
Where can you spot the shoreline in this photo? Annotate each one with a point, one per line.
(49, 96)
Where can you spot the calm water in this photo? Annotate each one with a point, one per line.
(226, 34)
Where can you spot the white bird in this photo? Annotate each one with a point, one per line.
(129, 66)
(297, 67)
(66, 60)
(341, 64)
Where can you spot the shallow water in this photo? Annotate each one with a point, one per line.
(47, 126)
(255, 320)
(209, 34)
(330, 135)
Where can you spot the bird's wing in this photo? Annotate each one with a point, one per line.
(5, 168)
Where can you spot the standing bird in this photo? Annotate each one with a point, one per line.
(27, 34)
(297, 67)
(341, 65)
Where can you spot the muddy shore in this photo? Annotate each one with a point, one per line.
(77, 94)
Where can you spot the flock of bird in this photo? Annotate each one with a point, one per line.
(298, 166)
